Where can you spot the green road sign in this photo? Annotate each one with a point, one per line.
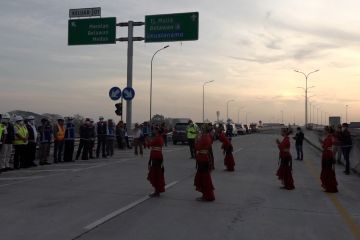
(92, 31)
(172, 27)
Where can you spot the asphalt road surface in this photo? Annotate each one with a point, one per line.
(108, 199)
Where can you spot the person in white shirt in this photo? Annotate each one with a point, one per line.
(137, 139)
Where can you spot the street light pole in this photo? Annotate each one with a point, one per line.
(227, 108)
(306, 93)
(203, 116)
(346, 113)
(151, 79)
(238, 118)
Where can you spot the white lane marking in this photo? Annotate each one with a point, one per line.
(238, 150)
(20, 178)
(26, 179)
(122, 210)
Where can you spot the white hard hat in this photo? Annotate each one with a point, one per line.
(30, 117)
(18, 118)
(5, 116)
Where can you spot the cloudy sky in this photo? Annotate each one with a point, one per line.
(249, 47)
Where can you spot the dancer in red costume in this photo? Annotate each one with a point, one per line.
(229, 161)
(202, 181)
(156, 168)
(327, 176)
(284, 172)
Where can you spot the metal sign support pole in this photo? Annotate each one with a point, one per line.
(130, 39)
(129, 73)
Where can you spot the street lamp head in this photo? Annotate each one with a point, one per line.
(166, 46)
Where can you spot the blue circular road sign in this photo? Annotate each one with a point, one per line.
(128, 93)
(115, 93)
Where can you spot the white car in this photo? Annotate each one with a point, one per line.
(240, 129)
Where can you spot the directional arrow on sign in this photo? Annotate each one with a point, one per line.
(127, 94)
(193, 17)
(115, 93)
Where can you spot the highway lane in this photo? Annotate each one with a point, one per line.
(106, 199)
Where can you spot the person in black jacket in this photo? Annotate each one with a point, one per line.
(346, 145)
(101, 128)
(299, 139)
(84, 140)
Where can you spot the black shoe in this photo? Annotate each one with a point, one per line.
(155, 194)
(347, 173)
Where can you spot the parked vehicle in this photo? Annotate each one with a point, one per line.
(240, 129)
(179, 133)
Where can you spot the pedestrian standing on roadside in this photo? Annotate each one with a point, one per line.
(110, 137)
(32, 141)
(101, 137)
(337, 144)
(8, 139)
(137, 140)
(346, 145)
(146, 133)
(227, 147)
(164, 132)
(69, 140)
(59, 136)
(156, 164)
(202, 181)
(45, 136)
(191, 133)
(299, 139)
(83, 148)
(20, 143)
(126, 134)
(3, 132)
(327, 176)
(284, 172)
(91, 133)
(120, 135)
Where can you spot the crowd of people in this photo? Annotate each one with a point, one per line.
(20, 139)
(24, 137)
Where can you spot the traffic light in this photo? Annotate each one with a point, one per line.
(118, 110)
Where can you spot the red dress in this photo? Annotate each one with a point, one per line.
(229, 161)
(284, 172)
(327, 176)
(156, 168)
(202, 181)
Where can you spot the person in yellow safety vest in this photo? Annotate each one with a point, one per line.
(20, 143)
(7, 141)
(59, 139)
(191, 134)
